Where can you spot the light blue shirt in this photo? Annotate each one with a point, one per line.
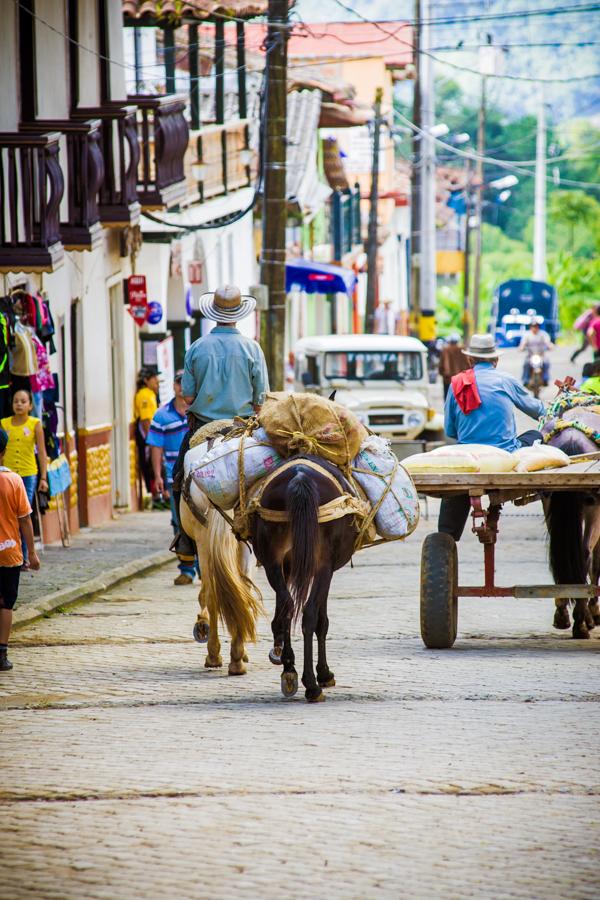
(226, 373)
(493, 422)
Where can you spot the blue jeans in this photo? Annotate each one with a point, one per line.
(184, 568)
(30, 482)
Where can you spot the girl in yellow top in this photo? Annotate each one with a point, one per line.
(25, 433)
(145, 404)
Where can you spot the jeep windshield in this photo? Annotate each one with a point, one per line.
(380, 366)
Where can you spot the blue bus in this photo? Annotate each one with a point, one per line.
(516, 303)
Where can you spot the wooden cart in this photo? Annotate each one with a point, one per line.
(440, 588)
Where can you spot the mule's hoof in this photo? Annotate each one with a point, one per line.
(245, 657)
(275, 655)
(213, 662)
(329, 683)
(580, 631)
(237, 667)
(562, 620)
(201, 632)
(289, 683)
(314, 695)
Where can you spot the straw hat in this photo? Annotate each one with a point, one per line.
(226, 304)
(482, 346)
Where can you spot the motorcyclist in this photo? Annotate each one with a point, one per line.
(536, 342)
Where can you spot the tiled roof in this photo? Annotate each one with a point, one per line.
(173, 11)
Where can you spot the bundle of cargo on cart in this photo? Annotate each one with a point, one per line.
(234, 466)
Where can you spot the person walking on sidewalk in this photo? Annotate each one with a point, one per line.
(145, 404)
(15, 521)
(452, 361)
(25, 437)
(225, 375)
(167, 431)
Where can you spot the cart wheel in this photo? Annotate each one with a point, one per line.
(439, 591)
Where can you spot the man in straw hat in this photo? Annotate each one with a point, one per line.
(225, 375)
(480, 410)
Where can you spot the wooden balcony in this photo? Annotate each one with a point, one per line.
(84, 176)
(31, 189)
(118, 201)
(163, 135)
(221, 150)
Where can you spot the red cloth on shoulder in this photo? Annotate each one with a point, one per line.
(464, 388)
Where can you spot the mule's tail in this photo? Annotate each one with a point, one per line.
(565, 528)
(302, 504)
(236, 598)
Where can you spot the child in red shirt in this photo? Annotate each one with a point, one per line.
(15, 519)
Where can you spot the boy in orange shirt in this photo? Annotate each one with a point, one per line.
(15, 519)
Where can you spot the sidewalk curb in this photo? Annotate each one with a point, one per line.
(31, 611)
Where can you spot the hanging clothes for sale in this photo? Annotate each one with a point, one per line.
(46, 330)
(5, 342)
(23, 358)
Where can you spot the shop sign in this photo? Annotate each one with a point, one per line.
(154, 313)
(137, 298)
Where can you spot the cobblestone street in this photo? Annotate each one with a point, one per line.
(131, 771)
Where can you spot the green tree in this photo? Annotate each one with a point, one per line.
(575, 209)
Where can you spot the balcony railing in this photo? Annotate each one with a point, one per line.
(345, 221)
(119, 203)
(81, 228)
(221, 149)
(31, 189)
(163, 135)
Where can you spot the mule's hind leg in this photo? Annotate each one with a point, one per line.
(562, 620)
(237, 665)
(202, 625)
(313, 692)
(325, 676)
(580, 629)
(213, 657)
(289, 676)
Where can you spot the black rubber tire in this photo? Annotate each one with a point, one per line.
(439, 591)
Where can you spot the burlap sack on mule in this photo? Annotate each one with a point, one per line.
(307, 423)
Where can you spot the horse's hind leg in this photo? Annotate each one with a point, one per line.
(237, 666)
(320, 587)
(213, 657)
(325, 676)
(580, 629)
(202, 626)
(289, 676)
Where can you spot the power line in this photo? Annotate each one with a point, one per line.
(482, 17)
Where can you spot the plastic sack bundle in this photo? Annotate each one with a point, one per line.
(216, 471)
(309, 424)
(540, 457)
(374, 468)
(478, 458)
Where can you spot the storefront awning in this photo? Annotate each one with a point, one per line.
(318, 278)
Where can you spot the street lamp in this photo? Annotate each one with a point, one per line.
(500, 184)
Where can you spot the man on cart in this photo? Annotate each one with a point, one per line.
(480, 410)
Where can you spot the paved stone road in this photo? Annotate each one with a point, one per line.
(131, 771)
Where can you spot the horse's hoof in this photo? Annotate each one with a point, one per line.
(245, 657)
(329, 683)
(313, 697)
(275, 655)
(237, 667)
(580, 631)
(213, 662)
(289, 684)
(201, 632)
(562, 620)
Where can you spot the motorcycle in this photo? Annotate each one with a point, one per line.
(535, 381)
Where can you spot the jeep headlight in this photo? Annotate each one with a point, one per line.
(414, 419)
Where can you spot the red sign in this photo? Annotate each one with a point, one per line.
(195, 272)
(138, 298)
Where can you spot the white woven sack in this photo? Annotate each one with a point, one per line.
(398, 515)
(216, 472)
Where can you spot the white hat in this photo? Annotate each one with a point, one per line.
(226, 304)
(482, 346)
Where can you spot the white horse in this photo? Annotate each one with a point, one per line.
(227, 591)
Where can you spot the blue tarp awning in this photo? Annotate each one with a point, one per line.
(318, 278)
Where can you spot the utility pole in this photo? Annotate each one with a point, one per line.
(428, 181)
(478, 202)
(415, 194)
(372, 273)
(466, 273)
(540, 272)
(272, 271)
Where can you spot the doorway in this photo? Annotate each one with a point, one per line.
(120, 419)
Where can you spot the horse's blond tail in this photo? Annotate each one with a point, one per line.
(236, 598)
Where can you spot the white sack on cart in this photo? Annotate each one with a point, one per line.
(216, 472)
(398, 514)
